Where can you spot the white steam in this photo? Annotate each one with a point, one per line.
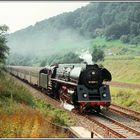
(86, 55)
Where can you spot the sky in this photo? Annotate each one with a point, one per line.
(21, 14)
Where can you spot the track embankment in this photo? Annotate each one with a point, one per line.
(124, 85)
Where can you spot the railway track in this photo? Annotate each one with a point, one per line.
(103, 125)
(121, 130)
(125, 111)
(131, 121)
(101, 128)
(110, 128)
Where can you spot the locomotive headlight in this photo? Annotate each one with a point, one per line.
(85, 95)
(93, 73)
(104, 95)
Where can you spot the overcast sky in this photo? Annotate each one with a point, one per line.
(18, 15)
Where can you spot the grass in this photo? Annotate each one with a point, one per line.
(114, 44)
(54, 115)
(126, 97)
(103, 41)
(124, 70)
(11, 90)
(21, 115)
(116, 48)
(25, 122)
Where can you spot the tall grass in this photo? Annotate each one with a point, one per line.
(126, 97)
(126, 70)
(21, 115)
(10, 90)
(54, 115)
(26, 122)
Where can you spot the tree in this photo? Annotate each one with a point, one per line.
(135, 40)
(97, 54)
(114, 31)
(71, 58)
(3, 47)
(133, 28)
(99, 32)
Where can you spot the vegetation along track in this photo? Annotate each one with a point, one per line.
(100, 125)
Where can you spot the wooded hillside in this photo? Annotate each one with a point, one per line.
(71, 31)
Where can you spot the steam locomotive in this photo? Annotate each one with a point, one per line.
(81, 85)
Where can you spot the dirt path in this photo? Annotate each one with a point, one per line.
(124, 85)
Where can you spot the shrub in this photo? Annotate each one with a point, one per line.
(123, 51)
(135, 40)
(99, 32)
(97, 54)
(124, 38)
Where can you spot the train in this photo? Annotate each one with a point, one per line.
(81, 85)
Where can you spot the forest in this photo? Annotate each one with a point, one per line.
(78, 30)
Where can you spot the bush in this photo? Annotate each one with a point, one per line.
(135, 40)
(124, 38)
(97, 54)
(123, 51)
(99, 32)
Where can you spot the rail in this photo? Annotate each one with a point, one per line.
(132, 116)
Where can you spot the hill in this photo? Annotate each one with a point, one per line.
(76, 30)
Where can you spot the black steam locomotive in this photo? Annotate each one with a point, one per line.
(78, 84)
(81, 85)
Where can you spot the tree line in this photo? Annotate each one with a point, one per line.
(113, 20)
(3, 46)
